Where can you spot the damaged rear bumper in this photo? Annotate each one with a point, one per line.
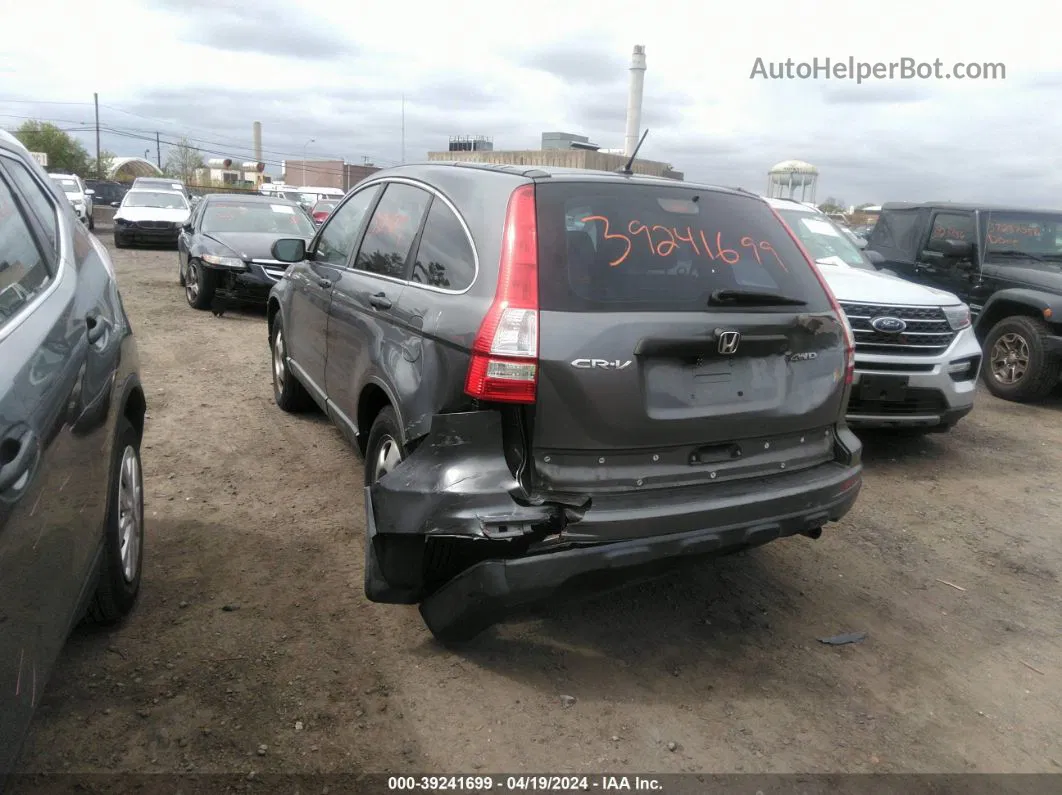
(457, 486)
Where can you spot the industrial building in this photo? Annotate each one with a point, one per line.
(568, 150)
(326, 173)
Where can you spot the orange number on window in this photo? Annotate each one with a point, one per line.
(687, 239)
(748, 242)
(608, 236)
(707, 248)
(765, 246)
(670, 242)
(727, 255)
(638, 228)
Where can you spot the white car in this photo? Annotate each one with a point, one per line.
(917, 358)
(78, 194)
(150, 216)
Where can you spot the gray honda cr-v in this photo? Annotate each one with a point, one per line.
(559, 374)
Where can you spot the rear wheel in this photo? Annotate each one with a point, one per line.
(122, 562)
(119, 241)
(200, 285)
(91, 222)
(383, 451)
(180, 273)
(288, 391)
(1018, 366)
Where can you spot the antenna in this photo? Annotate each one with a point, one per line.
(627, 168)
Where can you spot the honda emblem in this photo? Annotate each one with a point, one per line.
(728, 342)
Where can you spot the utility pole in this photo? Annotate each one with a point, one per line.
(99, 166)
(403, 128)
(158, 151)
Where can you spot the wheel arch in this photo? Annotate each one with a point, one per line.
(1007, 303)
(375, 397)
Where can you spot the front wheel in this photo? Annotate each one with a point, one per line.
(119, 242)
(288, 391)
(180, 273)
(200, 285)
(1018, 366)
(91, 222)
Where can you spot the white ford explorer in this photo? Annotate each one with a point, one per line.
(917, 359)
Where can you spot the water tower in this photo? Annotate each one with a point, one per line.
(793, 179)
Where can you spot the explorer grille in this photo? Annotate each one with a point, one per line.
(928, 332)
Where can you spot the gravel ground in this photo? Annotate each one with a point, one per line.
(253, 648)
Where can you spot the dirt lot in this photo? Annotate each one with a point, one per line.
(253, 630)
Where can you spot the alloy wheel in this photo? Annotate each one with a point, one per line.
(279, 366)
(389, 457)
(191, 283)
(1010, 358)
(130, 513)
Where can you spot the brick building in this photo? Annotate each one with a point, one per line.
(325, 173)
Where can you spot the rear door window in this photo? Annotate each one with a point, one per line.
(638, 247)
(445, 258)
(952, 226)
(392, 230)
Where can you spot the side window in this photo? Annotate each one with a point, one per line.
(23, 273)
(952, 226)
(445, 257)
(37, 198)
(340, 232)
(393, 229)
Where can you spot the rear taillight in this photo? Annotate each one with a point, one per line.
(842, 318)
(504, 363)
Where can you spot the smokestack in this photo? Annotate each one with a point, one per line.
(634, 100)
(258, 141)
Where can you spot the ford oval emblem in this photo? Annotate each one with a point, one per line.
(888, 325)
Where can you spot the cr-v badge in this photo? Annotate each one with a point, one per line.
(601, 364)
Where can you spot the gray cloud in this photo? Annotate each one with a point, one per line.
(874, 94)
(579, 61)
(605, 108)
(272, 27)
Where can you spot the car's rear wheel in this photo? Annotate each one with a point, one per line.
(1018, 366)
(288, 391)
(91, 222)
(119, 242)
(384, 451)
(122, 561)
(200, 285)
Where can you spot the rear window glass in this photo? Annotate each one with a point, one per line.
(637, 247)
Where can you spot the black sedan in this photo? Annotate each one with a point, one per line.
(224, 249)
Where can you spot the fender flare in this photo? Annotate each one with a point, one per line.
(1047, 305)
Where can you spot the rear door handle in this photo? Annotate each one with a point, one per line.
(17, 452)
(380, 301)
(324, 284)
(97, 327)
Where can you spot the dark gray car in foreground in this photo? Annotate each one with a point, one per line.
(71, 421)
(555, 376)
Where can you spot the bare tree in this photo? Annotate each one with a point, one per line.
(183, 161)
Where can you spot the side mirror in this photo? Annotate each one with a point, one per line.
(953, 249)
(116, 204)
(90, 192)
(875, 257)
(861, 242)
(289, 250)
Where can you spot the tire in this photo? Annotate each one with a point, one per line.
(123, 547)
(119, 242)
(200, 285)
(180, 273)
(383, 450)
(91, 223)
(288, 391)
(1014, 340)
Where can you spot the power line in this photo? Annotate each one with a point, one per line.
(229, 144)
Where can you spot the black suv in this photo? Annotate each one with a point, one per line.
(71, 421)
(106, 192)
(1006, 263)
(558, 374)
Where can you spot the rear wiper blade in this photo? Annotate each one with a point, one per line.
(754, 298)
(1013, 252)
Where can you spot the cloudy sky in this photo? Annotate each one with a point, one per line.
(336, 72)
